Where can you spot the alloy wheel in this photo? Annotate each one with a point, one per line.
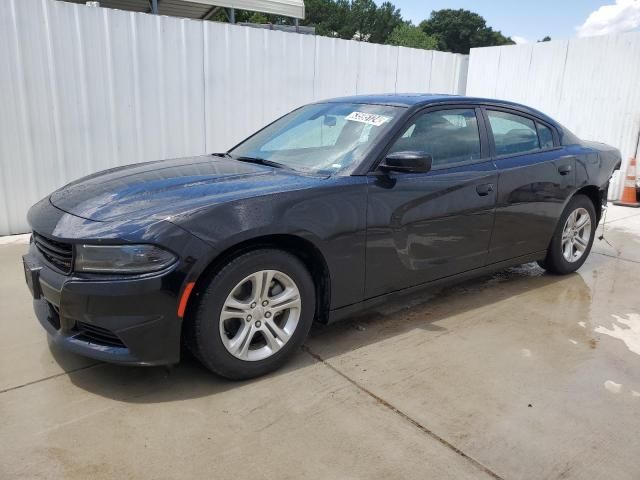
(260, 315)
(576, 235)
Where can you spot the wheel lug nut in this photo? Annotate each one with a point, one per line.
(253, 305)
(265, 303)
(249, 317)
(267, 314)
(258, 323)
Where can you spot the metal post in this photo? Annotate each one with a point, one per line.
(154, 7)
(232, 15)
(211, 13)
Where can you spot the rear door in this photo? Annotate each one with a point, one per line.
(425, 226)
(536, 176)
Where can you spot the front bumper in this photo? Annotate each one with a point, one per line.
(121, 320)
(130, 319)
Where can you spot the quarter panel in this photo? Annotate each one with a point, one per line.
(595, 163)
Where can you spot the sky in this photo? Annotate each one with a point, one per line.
(528, 21)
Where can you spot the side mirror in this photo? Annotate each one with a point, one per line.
(407, 162)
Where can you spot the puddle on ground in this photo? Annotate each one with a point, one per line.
(612, 386)
(625, 329)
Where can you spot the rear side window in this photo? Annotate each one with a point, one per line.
(513, 134)
(546, 137)
(450, 136)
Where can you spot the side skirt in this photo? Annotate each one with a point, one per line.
(371, 303)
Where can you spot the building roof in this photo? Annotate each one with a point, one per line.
(201, 9)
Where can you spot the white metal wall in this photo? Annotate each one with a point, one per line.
(83, 89)
(253, 76)
(591, 85)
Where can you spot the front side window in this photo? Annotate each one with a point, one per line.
(451, 137)
(321, 138)
(512, 134)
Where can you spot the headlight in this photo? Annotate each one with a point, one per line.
(122, 258)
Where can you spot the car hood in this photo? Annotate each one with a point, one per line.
(166, 188)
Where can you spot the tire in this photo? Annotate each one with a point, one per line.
(246, 343)
(559, 250)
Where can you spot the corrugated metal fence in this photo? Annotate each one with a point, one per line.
(83, 89)
(591, 85)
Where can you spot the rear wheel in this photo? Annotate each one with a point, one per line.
(572, 241)
(253, 314)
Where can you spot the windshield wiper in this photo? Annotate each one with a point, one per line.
(261, 161)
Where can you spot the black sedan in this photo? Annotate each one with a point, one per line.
(327, 211)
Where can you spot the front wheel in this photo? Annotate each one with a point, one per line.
(253, 314)
(572, 241)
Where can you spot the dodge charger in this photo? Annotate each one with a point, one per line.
(327, 211)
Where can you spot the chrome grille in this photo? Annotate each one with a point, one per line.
(58, 254)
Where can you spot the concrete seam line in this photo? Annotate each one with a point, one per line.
(404, 416)
(617, 258)
(49, 377)
(621, 218)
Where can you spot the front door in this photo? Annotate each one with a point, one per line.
(426, 226)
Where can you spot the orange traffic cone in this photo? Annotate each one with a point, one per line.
(629, 197)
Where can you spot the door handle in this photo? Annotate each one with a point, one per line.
(484, 189)
(564, 169)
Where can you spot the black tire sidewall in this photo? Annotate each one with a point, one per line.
(210, 349)
(555, 261)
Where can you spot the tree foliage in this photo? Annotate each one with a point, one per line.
(460, 30)
(448, 30)
(408, 35)
(545, 39)
(329, 17)
(355, 19)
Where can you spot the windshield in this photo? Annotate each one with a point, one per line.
(321, 138)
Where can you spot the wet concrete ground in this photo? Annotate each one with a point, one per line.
(515, 375)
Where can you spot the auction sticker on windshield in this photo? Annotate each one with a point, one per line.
(368, 118)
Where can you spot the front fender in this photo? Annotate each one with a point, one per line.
(331, 217)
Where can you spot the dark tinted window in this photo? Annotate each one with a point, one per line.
(451, 137)
(546, 137)
(512, 134)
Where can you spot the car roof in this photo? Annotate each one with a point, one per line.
(409, 100)
(394, 99)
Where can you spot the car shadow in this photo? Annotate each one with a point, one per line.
(427, 310)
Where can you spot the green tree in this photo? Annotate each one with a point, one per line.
(386, 19)
(349, 19)
(329, 17)
(244, 16)
(256, 17)
(408, 35)
(361, 19)
(460, 30)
